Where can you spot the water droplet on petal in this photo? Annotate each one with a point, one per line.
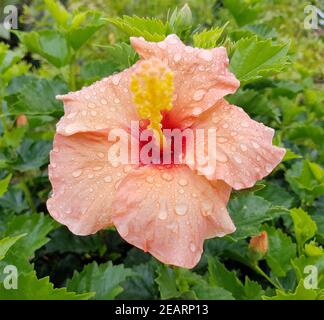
(197, 111)
(206, 55)
(177, 57)
(77, 173)
(183, 182)
(199, 94)
(225, 126)
(255, 145)
(149, 179)
(108, 179)
(244, 124)
(116, 79)
(222, 140)
(258, 158)
(243, 147)
(71, 115)
(268, 168)
(163, 213)
(181, 209)
(167, 176)
(91, 105)
(98, 168)
(101, 155)
(238, 159)
(116, 100)
(206, 208)
(221, 157)
(192, 247)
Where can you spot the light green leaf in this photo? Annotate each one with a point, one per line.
(301, 293)
(32, 95)
(50, 44)
(84, 25)
(166, 281)
(204, 291)
(253, 59)
(306, 180)
(150, 28)
(304, 226)
(208, 38)
(248, 212)
(4, 183)
(281, 250)
(31, 288)
(242, 11)
(219, 276)
(104, 279)
(7, 243)
(58, 12)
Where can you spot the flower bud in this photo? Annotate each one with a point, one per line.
(21, 120)
(259, 243)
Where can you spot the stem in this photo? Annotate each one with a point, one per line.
(28, 195)
(2, 115)
(72, 74)
(262, 273)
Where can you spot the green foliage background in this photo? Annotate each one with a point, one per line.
(62, 48)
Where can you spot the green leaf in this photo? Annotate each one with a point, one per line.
(242, 11)
(58, 12)
(121, 56)
(4, 183)
(96, 70)
(254, 59)
(248, 212)
(32, 95)
(204, 291)
(306, 180)
(84, 25)
(252, 290)
(150, 28)
(50, 44)
(281, 250)
(166, 281)
(31, 288)
(141, 285)
(301, 293)
(104, 279)
(304, 226)
(208, 38)
(32, 154)
(219, 276)
(301, 263)
(7, 243)
(290, 155)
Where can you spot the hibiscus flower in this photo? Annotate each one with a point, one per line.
(167, 210)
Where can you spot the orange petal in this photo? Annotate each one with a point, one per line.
(169, 212)
(244, 152)
(201, 76)
(104, 105)
(84, 182)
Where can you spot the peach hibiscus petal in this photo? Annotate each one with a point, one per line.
(244, 152)
(84, 182)
(169, 212)
(201, 76)
(104, 105)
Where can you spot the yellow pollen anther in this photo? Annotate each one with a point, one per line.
(152, 88)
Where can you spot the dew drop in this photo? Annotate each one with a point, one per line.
(177, 57)
(116, 80)
(206, 208)
(183, 182)
(98, 168)
(244, 124)
(104, 101)
(222, 140)
(238, 159)
(163, 213)
(93, 113)
(258, 158)
(116, 100)
(167, 176)
(243, 147)
(206, 55)
(91, 105)
(192, 247)
(255, 145)
(101, 155)
(221, 157)
(71, 115)
(149, 179)
(268, 168)
(197, 111)
(181, 209)
(108, 179)
(77, 173)
(199, 94)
